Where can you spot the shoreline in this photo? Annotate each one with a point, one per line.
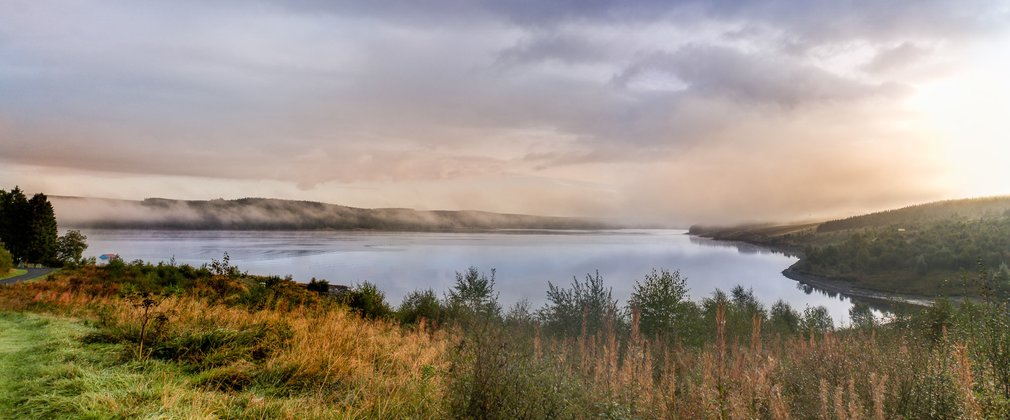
(828, 284)
(846, 288)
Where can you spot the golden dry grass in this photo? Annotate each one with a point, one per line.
(334, 362)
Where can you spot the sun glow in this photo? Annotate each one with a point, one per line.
(967, 115)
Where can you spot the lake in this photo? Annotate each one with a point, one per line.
(525, 261)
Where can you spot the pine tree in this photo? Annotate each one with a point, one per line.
(42, 233)
(28, 227)
(15, 223)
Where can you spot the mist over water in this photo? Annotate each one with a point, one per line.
(525, 262)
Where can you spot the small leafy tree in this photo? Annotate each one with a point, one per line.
(473, 296)
(816, 320)
(585, 305)
(70, 247)
(659, 299)
(746, 303)
(224, 267)
(148, 304)
(520, 313)
(784, 318)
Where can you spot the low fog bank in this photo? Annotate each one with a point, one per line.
(275, 214)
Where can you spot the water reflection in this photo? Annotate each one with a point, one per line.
(741, 247)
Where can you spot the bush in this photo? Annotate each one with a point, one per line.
(784, 318)
(584, 306)
(816, 320)
(420, 304)
(496, 375)
(6, 260)
(319, 286)
(660, 300)
(368, 301)
(473, 297)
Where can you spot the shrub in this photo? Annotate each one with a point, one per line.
(659, 299)
(420, 304)
(784, 318)
(319, 286)
(816, 320)
(368, 301)
(6, 260)
(473, 297)
(583, 306)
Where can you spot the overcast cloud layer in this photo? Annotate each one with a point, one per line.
(670, 111)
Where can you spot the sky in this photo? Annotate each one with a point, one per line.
(666, 111)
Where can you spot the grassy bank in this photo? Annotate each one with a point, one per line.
(146, 341)
(48, 370)
(204, 358)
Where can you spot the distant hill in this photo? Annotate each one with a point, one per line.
(927, 249)
(905, 217)
(275, 214)
(972, 208)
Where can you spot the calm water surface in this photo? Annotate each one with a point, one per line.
(401, 262)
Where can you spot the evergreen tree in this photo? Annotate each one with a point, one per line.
(42, 230)
(28, 227)
(15, 223)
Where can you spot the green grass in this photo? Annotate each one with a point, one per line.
(14, 272)
(47, 371)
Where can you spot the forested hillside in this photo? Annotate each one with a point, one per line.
(926, 249)
(974, 208)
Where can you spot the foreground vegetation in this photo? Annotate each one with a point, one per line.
(219, 345)
(162, 340)
(929, 249)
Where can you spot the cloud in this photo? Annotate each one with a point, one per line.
(712, 70)
(896, 58)
(434, 102)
